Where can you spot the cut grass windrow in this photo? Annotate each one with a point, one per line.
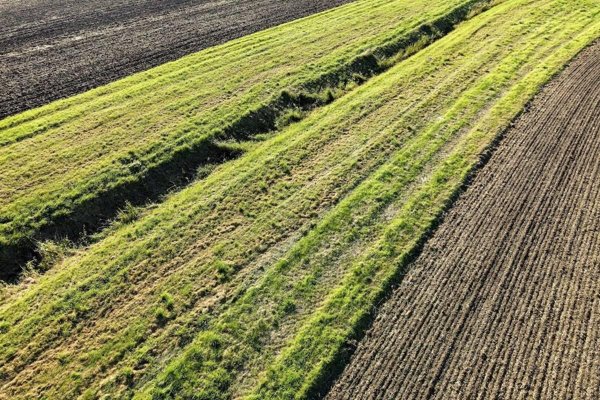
(68, 167)
(253, 281)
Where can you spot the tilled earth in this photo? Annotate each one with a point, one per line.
(504, 301)
(51, 49)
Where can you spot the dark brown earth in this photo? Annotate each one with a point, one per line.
(51, 49)
(504, 301)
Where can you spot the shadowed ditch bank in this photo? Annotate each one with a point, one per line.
(154, 177)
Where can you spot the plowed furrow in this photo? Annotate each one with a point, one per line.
(503, 301)
(509, 280)
(51, 51)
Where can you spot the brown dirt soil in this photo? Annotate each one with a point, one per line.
(504, 301)
(51, 49)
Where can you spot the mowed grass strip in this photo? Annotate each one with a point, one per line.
(250, 282)
(282, 324)
(68, 166)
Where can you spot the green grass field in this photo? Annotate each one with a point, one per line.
(251, 282)
(69, 166)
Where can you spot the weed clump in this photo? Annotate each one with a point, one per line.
(289, 117)
(128, 214)
(224, 271)
(127, 376)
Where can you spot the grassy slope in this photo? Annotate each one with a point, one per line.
(548, 35)
(250, 281)
(77, 160)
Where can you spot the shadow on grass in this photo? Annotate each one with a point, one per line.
(90, 215)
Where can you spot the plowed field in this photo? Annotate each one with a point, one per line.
(51, 49)
(504, 301)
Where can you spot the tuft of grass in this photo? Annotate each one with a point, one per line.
(289, 117)
(127, 376)
(288, 306)
(4, 326)
(162, 315)
(168, 301)
(52, 252)
(127, 214)
(223, 270)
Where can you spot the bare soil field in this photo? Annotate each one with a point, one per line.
(51, 49)
(504, 300)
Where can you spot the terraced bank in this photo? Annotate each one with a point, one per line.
(68, 167)
(503, 302)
